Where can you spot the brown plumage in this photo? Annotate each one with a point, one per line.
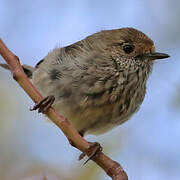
(100, 81)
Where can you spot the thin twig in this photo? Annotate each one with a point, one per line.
(112, 168)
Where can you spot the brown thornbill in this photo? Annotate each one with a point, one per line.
(99, 82)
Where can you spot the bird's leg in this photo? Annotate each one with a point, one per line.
(93, 151)
(81, 133)
(44, 104)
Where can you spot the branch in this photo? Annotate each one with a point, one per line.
(112, 168)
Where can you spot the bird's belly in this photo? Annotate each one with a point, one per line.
(96, 120)
(91, 119)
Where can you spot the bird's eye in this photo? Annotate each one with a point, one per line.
(128, 48)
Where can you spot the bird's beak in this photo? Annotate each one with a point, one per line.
(156, 55)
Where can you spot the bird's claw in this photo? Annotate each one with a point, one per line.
(44, 104)
(94, 150)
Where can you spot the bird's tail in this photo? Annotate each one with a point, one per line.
(27, 69)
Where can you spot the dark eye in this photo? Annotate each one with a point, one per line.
(128, 48)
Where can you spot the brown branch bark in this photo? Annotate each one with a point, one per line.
(112, 168)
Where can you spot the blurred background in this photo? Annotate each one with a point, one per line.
(147, 146)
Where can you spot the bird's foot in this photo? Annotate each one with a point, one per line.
(94, 150)
(44, 104)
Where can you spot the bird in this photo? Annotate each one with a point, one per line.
(97, 83)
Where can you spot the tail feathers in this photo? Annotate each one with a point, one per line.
(28, 70)
(5, 66)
